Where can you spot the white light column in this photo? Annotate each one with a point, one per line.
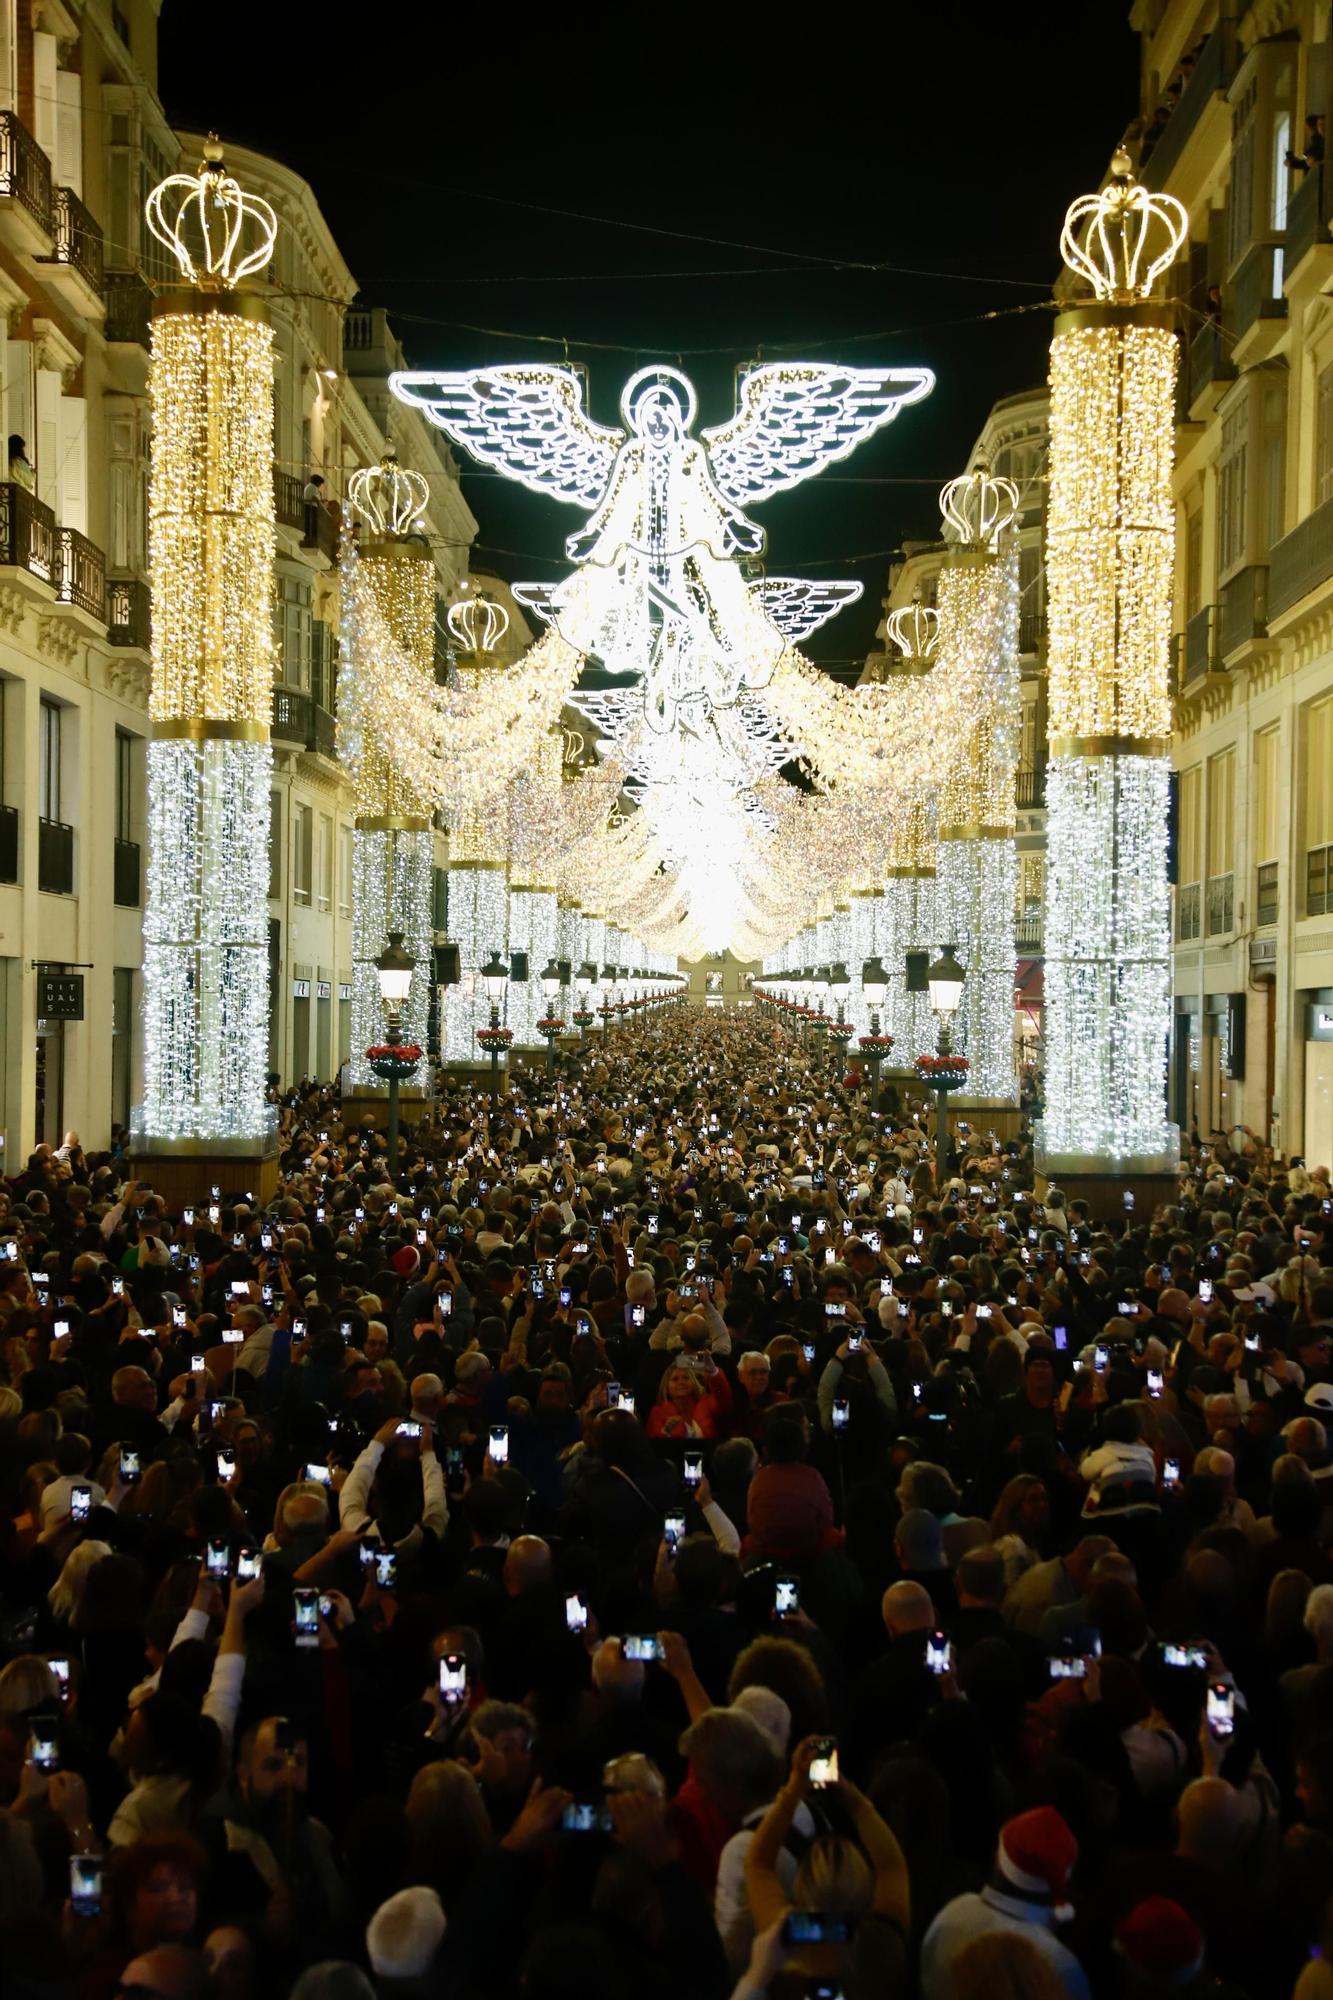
(1109, 559)
(393, 847)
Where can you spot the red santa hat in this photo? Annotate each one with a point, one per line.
(405, 1261)
(1162, 1940)
(1036, 1858)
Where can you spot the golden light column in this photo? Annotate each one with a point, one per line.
(211, 561)
(977, 595)
(478, 864)
(1109, 559)
(392, 842)
(906, 915)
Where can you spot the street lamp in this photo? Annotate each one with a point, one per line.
(944, 1071)
(875, 1046)
(494, 977)
(394, 1060)
(608, 999)
(551, 1022)
(585, 989)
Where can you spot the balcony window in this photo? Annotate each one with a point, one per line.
(1189, 923)
(1266, 894)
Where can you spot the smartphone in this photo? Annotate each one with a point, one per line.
(85, 1884)
(499, 1444)
(834, 1311)
(580, 1816)
(576, 1613)
(306, 1616)
(1101, 1357)
(673, 1531)
(59, 1665)
(1128, 1198)
(187, 1217)
(319, 1473)
(812, 1927)
(1221, 1710)
(1068, 1667)
(249, 1563)
(409, 1428)
(217, 1561)
(1155, 1382)
(1175, 1654)
(842, 1413)
(939, 1652)
(386, 1568)
(1170, 1472)
(625, 1401)
(854, 1340)
(117, 1288)
(44, 1744)
(80, 1503)
(983, 1312)
(642, 1646)
(787, 1596)
(1205, 1291)
(453, 1677)
(1126, 1308)
(824, 1763)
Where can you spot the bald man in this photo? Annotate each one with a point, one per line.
(896, 1690)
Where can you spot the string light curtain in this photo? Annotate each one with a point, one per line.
(978, 602)
(211, 558)
(392, 842)
(1109, 558)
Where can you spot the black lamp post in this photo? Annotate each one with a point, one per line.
(875, 1046)
(946, 1071)
(494, 977)
(551, 1022)
(394, 967)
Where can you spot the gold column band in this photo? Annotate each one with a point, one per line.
(1110, 746)
(391, 823)
(1077, 319)
(909, 875)
(206, 729)
(194, 300)
(976, 833)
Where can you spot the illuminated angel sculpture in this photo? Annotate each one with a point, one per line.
(660, 591)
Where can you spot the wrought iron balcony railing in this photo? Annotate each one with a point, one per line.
(80, 573)
(78, 238)
(25, 171)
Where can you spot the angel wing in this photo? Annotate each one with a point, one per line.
(526, 420)
(795, 418)
(538, 598)
(797, 606)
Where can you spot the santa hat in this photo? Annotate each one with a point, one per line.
(1035, 1858)
(1162, 1940)
(405, 1261)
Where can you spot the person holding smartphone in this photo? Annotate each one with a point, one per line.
(361, 1502)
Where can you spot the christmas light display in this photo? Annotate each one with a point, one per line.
(392, 841)
(1109, 559)
(978, 598)
(211, 555)
(659, 598)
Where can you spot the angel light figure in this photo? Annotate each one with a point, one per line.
(660, 590)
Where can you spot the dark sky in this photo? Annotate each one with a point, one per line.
(690, 185)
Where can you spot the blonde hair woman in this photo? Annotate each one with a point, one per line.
(26, 1683)
(65, 1596)
(1004, 1965)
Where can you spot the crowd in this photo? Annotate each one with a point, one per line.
(662, 1541)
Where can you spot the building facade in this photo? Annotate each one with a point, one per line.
(83, 138)
(1233, 104)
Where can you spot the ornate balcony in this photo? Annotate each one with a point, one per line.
(128, 308)
(1301, 561)
(1244, 608)
(1189, 912)
(1256, 297)
(1209, 79)
(27, 533)
(76, 266)
(1208, 368)
(129, 608)
(1030, 787)
(27, 203)
(1201, 654)
(80, 573)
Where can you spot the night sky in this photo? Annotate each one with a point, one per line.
(689, 188)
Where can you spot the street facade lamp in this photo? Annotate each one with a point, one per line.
(876, 1045)
(551, 1023)
(394, 1060)
(944, 1071)
(494, 1038)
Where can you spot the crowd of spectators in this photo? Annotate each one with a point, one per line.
(662, 1541)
